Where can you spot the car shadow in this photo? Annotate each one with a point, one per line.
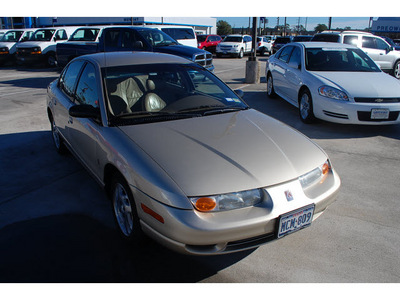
(288, 114)
(56, 225)
(35, 83)
(78, 249)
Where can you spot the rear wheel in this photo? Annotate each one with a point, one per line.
(57, 139)
(306, 107)
(241, 53)
(270, 87)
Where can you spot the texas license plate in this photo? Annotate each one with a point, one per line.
(295, 220)
(379, 113)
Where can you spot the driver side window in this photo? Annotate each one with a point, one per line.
(86, 92)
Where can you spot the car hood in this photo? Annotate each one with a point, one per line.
(180, 50)
(227, 152)
(362, 84)
(34, 44)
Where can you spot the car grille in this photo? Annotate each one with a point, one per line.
(250, 243)
(225, 48)
(366, 116)
(377, 100)
(204, 59)
(24, 51)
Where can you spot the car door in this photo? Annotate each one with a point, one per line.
(248, 43)
(279, 71)
(64, 96)
(84, 132)
(292, 75)
(376, 49)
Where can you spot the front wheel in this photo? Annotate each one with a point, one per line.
(306, 107)
(125, 210)
(396, 69)
(241, 53)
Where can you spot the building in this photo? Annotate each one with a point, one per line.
(387, 26)
(202, 25)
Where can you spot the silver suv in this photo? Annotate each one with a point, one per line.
(374, 46)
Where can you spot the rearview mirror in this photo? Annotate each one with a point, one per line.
(84, 111)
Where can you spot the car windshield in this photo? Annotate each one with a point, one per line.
(85, 34)
(154, 92)
(43, 35)
(282, 40)
(156, 37)
(339, 60)
(11, 36)
(333, 38)
(235, 39)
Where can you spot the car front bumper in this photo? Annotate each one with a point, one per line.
(195, 233)
(350, 112)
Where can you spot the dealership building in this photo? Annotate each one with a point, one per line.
(202, 25)
(387, 26)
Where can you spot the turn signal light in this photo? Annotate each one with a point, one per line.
(326, 168)
(205, 204)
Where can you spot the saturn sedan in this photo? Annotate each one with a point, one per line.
(181, 156)
(333, 82)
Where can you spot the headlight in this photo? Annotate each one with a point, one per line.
(4, 50)
(331, 92)
(317, 175)
(235, 46)
(227, 201)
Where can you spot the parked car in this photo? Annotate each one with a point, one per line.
(208, 42)
(185, 35)
(279, 42)
(264, 45)
(9, 42)
(2, 32)
(182, 157)
(302, 38)
(128, 38)
(333, 82)
(374, 46)
(42, 45)
(235, 45)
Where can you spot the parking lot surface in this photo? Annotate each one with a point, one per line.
(56, 224)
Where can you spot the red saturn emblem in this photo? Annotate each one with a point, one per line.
(289, 195)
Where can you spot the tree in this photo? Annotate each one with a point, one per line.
(223, 28)
(320, 27)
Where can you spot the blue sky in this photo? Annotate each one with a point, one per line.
(312, 22)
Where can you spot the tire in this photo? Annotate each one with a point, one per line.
(396, 69)
(262, 52)
(270, 87)
(124, 210)
(57, 139)
(306, 107)
(241, 53)
(51, 60)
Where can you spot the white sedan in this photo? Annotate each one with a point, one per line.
(333, 82)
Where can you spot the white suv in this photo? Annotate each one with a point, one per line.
(235, 45)
(374, 46)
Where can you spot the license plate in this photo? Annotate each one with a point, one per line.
(295, 220)
(379, 113)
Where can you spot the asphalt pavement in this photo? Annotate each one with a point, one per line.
(56, 224)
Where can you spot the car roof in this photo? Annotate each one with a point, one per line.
(324, 45)
(112, 59)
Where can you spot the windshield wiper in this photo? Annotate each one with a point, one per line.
(213, 109)
(140, 117)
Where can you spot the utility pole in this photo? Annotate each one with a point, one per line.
(252, 65)
(330, 23)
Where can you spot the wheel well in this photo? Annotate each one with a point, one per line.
(109, 173)
(303, 88)
(49, 114)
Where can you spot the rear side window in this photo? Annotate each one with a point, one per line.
(69, 77)
(180, 33)
(350, 39)
(368, 42)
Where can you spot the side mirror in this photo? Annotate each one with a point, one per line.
(389, 49)
(240, 93)
(84, 111)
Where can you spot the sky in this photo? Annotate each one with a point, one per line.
(312, 22)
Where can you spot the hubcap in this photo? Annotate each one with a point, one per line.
(123, 210)
(397, 70)
(304, 106)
